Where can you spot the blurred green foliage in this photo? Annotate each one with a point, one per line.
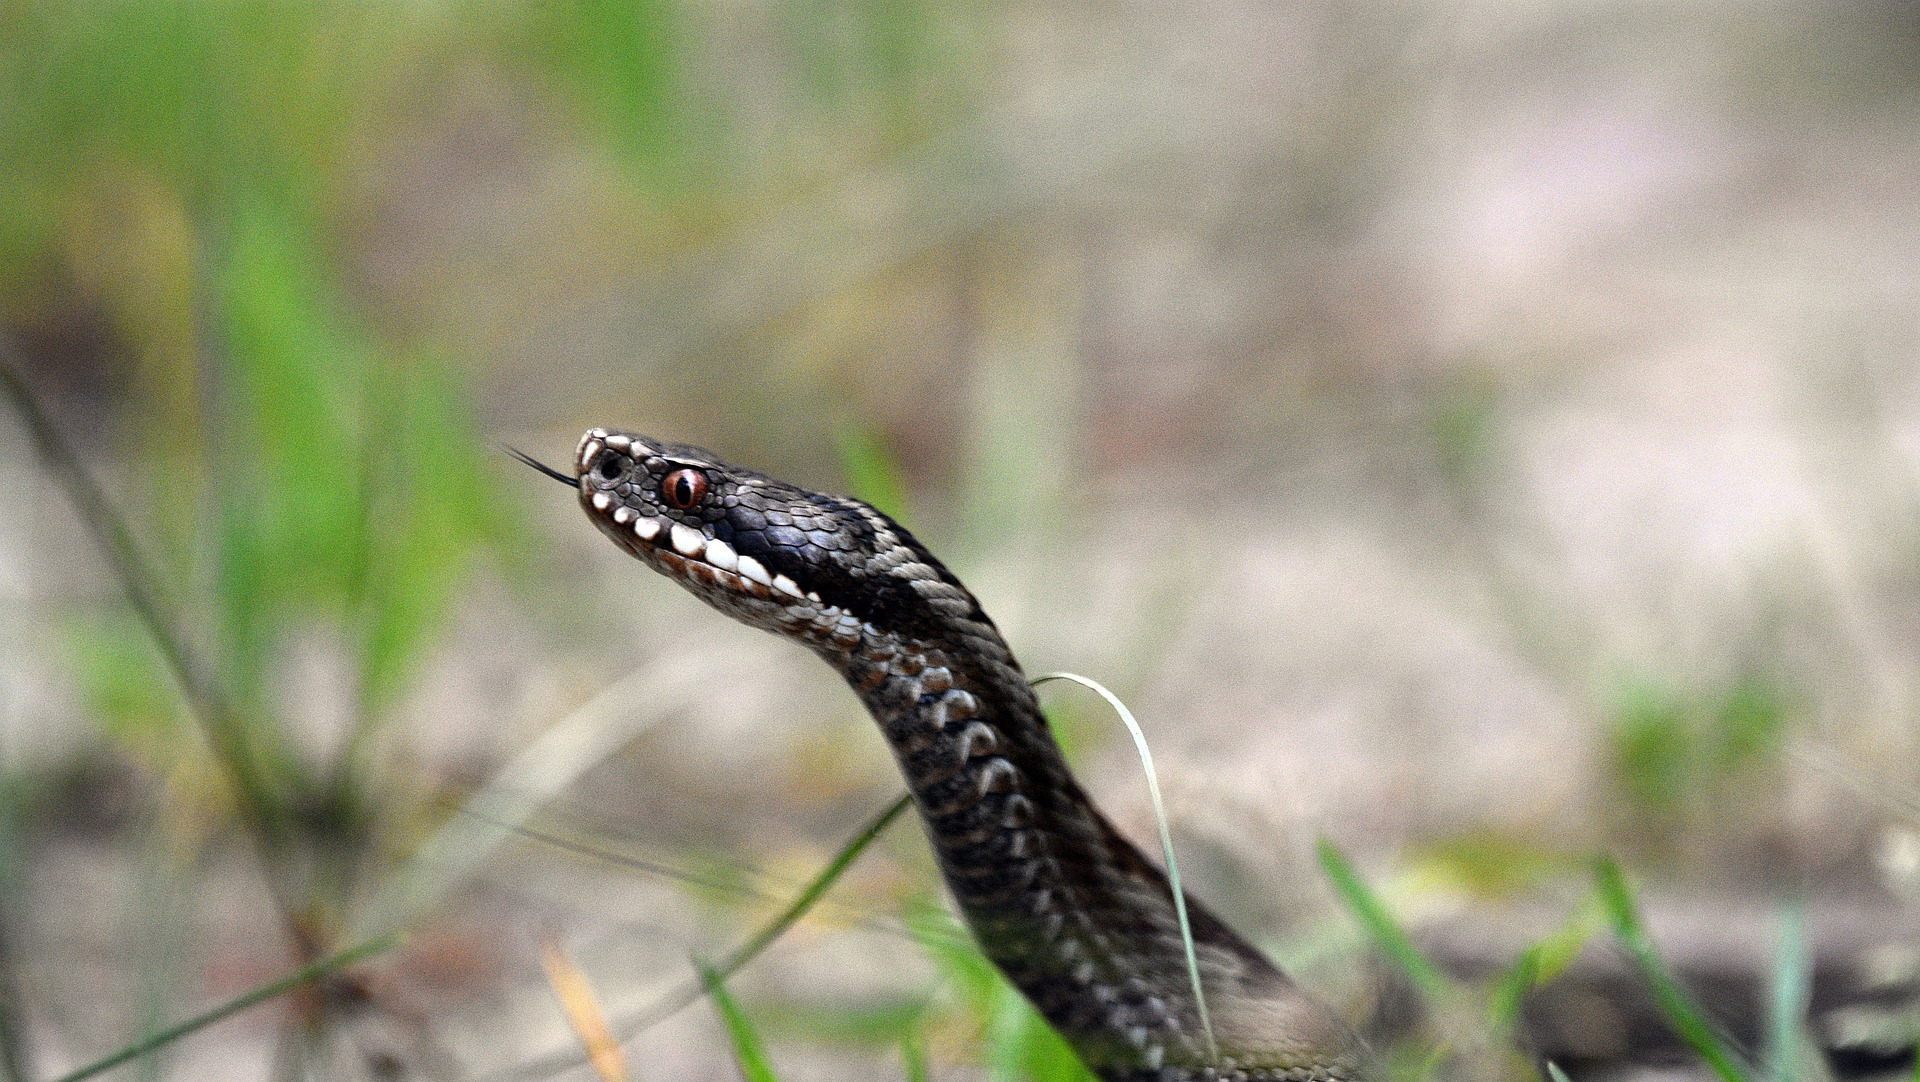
(193, 184)
(1491, 864)
(197, 174)
(1462, 422)
(621, 64)
(1016, 1044)
(1674, 752)
(871, 472)
(339, 487)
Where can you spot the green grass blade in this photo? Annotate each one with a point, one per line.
(730, 879)
(673, 1002)
(1555, 1073)
(1166, 843)
(304, 975)
(1509, 993)
(1787, 995)
(913, 1056)
(747, 1049)
(805, 900)
(1542, 961)
(1673, 1000)
(14, 1066)
(1386, 933)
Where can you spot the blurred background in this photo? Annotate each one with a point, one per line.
(1483, 435)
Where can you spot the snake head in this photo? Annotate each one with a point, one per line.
(820, 568)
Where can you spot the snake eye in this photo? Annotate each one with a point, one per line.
(608, 466)
(683, 488)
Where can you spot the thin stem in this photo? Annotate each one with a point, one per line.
(14, 1064)
(223, 726)
(690, 992)
(304, 975)
(1166, 844)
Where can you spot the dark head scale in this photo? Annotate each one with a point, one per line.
(821, 568)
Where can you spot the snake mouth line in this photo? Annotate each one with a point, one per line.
(678, 547)
(686, 551)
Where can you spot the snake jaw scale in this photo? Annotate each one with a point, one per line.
(687, 541)
(753, 569)
(646, 529)
(721, 555)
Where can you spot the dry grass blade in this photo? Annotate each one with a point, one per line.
(1166, 842)
(553, 761)
(583, 1013)
(947, 185)
(1876, 788)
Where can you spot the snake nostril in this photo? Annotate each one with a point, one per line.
(608, 466)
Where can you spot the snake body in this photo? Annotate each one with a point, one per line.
(1068, 910)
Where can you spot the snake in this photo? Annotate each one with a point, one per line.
(1073, 914)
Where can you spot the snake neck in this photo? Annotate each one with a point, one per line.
(1069, 910)
(1073, 915)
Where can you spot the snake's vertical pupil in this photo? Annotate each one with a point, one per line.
(683, 488)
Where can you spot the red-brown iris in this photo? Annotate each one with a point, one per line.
(683, 488)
